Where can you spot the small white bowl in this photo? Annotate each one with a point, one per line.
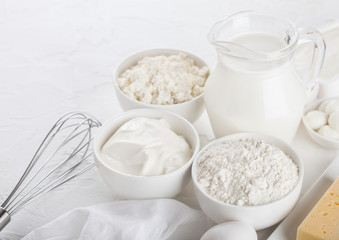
(146, 187)
(321, 140)
(191, 110)
(259, 216)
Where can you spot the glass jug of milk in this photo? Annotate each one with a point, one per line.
(255, 86)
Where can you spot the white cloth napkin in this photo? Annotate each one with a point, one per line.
(132, 219)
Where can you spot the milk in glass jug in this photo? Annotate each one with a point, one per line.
(255, 86)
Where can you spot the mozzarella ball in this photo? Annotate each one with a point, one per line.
(322, 106)
(328, 132)
(333, 121)
(315, 119)
(329, 106)
(332, 106)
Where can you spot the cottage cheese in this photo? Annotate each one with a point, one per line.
(164, 79)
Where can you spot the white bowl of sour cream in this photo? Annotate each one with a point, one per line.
(146, 153)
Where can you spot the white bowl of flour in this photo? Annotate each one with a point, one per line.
(248, 177)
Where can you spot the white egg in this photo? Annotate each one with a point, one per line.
(315, 119)
(328, 132)
(333, 121)
(231, 231)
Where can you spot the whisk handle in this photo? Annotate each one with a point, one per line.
(5, 218)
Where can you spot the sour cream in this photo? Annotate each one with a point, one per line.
(145, 147)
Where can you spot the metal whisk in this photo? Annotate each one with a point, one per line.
(63, 154)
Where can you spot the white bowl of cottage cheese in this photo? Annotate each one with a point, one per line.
(167, 79)
(248, 177)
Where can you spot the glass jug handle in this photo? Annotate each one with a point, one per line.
(319, 48)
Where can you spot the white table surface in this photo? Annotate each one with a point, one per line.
(59, 56)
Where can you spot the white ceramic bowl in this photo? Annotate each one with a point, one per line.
(259, 216)
(321, 140)
(191, 110)
(146, 187)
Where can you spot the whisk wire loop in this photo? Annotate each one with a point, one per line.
(55, 169)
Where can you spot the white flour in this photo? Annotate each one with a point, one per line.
(246, 172)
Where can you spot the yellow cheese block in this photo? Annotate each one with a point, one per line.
(323, 220)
